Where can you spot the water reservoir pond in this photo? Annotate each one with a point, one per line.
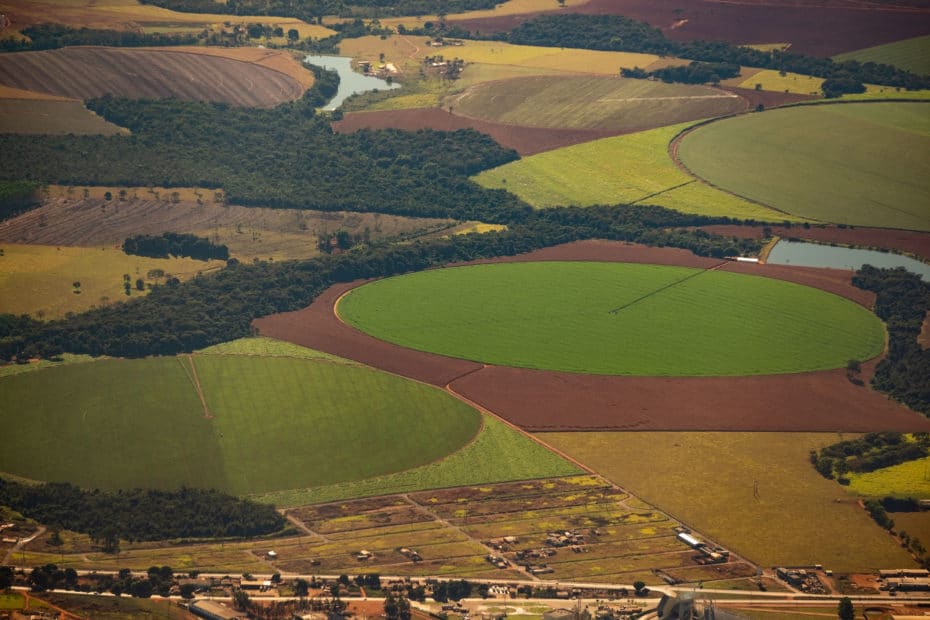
(350, 82)
(817, 255)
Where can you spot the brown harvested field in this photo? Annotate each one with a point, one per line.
(909, 242)
(924, 338)
(524, 140)
(85, 72)
(65, 116)
(7, 92)
(767, 98)
(811, 27)
(276, 60)
(249, 232)
(543, 400)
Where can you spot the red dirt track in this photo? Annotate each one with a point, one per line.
(523, 139)
(821, 28)
(547, 401)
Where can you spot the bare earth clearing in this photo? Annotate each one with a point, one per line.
(249, 232)
(538, 400)
(816, 28)
(86, 72)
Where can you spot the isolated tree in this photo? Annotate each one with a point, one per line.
(301, 588)
(639, 586)
(293, 35)
(845, 610)
(187, 590)
(6, 577)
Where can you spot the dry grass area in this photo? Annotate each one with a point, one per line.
(70, 219)
(40, 279)
(85, 72)
(130, 14)
(40, 116)
(756, 493)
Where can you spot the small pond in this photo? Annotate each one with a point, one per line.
(350, 82)
(817, 255)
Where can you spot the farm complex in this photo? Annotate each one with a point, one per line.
(550, 310)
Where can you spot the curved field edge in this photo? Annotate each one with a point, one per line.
(628, 169)
(241, 424)
(755, 493)
(862, 164)
(909, 54)
(616, 319)
(499, 454)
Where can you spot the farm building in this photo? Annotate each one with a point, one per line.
(689, 540)
(921, 584)
(903, 572)
(559, 614)
(212, 610)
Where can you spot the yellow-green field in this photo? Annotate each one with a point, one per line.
(755, 493)
(910, 479)
(796, 83)
(407, 51)
(623, 169)
(38, 280)
(130, 14)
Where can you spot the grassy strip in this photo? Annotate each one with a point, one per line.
(498, 454)
(910, 54)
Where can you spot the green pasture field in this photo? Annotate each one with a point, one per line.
(910, 479)
(634, 168)
(12, 600)
(616, 318)
(908, 54)
(860, 164)
(707, 480)
(593, 102)
(278, 423)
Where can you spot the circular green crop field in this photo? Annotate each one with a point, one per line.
(277, 423)
(866, 164)
(616, 318)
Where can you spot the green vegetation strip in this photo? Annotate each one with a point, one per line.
(499, 454)
(860, 164)
(623, 169)
(279, 423)
(616, 318)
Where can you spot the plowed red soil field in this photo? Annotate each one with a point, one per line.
(86, 72)
(819, 28)
(524, 140)
(540, 400)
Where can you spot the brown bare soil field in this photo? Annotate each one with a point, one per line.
(276, 60)
(52, 116)
(524, 140)
(541, 400)
(249, 232)
(910, 242)
(767, 98)
(7, 92)
(821, 28)
(85, 72)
